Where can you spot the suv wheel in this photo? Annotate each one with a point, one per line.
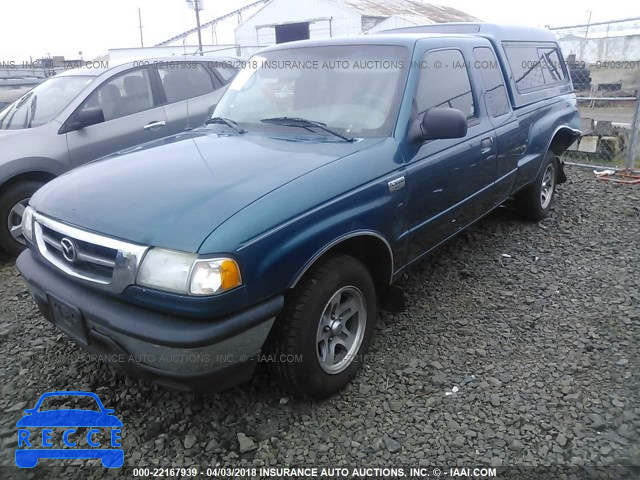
(534, 202)
(325, 329)
(13, 201)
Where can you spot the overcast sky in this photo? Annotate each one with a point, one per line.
(65, 27)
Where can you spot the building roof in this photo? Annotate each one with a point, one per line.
(411, 9)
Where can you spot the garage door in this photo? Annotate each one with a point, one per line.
(320, 29)
(266, 35)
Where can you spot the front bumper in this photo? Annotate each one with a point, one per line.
(180, 353)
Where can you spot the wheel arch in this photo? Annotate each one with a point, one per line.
(367, 246)
(562, 139)
(37, 175)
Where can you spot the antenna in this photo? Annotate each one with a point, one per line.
(140, 27)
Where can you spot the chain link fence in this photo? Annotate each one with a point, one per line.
(604, 65)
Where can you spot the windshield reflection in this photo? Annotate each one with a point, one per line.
(354, 89)
(44, 103)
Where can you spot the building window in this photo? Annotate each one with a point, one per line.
(292, 32)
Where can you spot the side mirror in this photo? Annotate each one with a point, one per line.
(443, 122)
(87, 117)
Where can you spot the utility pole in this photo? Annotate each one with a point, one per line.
(635, 134)
(588, 23)
(197, 5)
(140, 27)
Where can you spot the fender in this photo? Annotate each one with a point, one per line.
(337, 241)
(575, 133)
(15, 168)
(559, 128)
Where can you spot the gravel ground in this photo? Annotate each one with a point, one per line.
(519, 346)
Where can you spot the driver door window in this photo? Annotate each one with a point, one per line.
(444, 82)
(123, 95)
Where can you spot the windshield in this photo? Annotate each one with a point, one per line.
(354, 89)
(43, 103)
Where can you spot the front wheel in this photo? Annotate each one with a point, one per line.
(13, 201)
(319, 340)
(534, 202)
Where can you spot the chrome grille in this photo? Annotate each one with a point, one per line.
(102, 261)
(93, 260)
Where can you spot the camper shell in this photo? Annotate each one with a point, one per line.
(530, 57)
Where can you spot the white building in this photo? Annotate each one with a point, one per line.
(609, 49)
(140, 53)
(281, 21)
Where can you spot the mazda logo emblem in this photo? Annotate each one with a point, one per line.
(69, 249)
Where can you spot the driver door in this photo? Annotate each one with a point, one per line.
(131, 116)
(450, 180)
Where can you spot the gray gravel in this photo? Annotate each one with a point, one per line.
(519, 346)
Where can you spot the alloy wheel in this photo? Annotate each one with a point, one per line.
(341, 330)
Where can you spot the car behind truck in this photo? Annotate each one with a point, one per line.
(327, 170)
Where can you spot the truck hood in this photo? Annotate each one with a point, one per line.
(174, 192)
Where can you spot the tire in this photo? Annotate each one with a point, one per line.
(299, 344)
(535, 201)
(11, 216)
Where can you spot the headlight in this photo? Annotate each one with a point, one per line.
(166, 270)
(185, 273)
(27, 223)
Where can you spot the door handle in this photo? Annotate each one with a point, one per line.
(155, 125)
(486, 142)
(486, 145)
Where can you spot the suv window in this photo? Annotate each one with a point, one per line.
(444, 82)
(534, 66)
(126, 94)
(185, 80)
(226, 72)
(496, 96)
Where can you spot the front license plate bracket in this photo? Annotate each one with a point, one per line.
(68, 319)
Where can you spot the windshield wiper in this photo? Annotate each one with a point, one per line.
(13, 110)
(228, 122)
(32, 110)
(304, 123)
